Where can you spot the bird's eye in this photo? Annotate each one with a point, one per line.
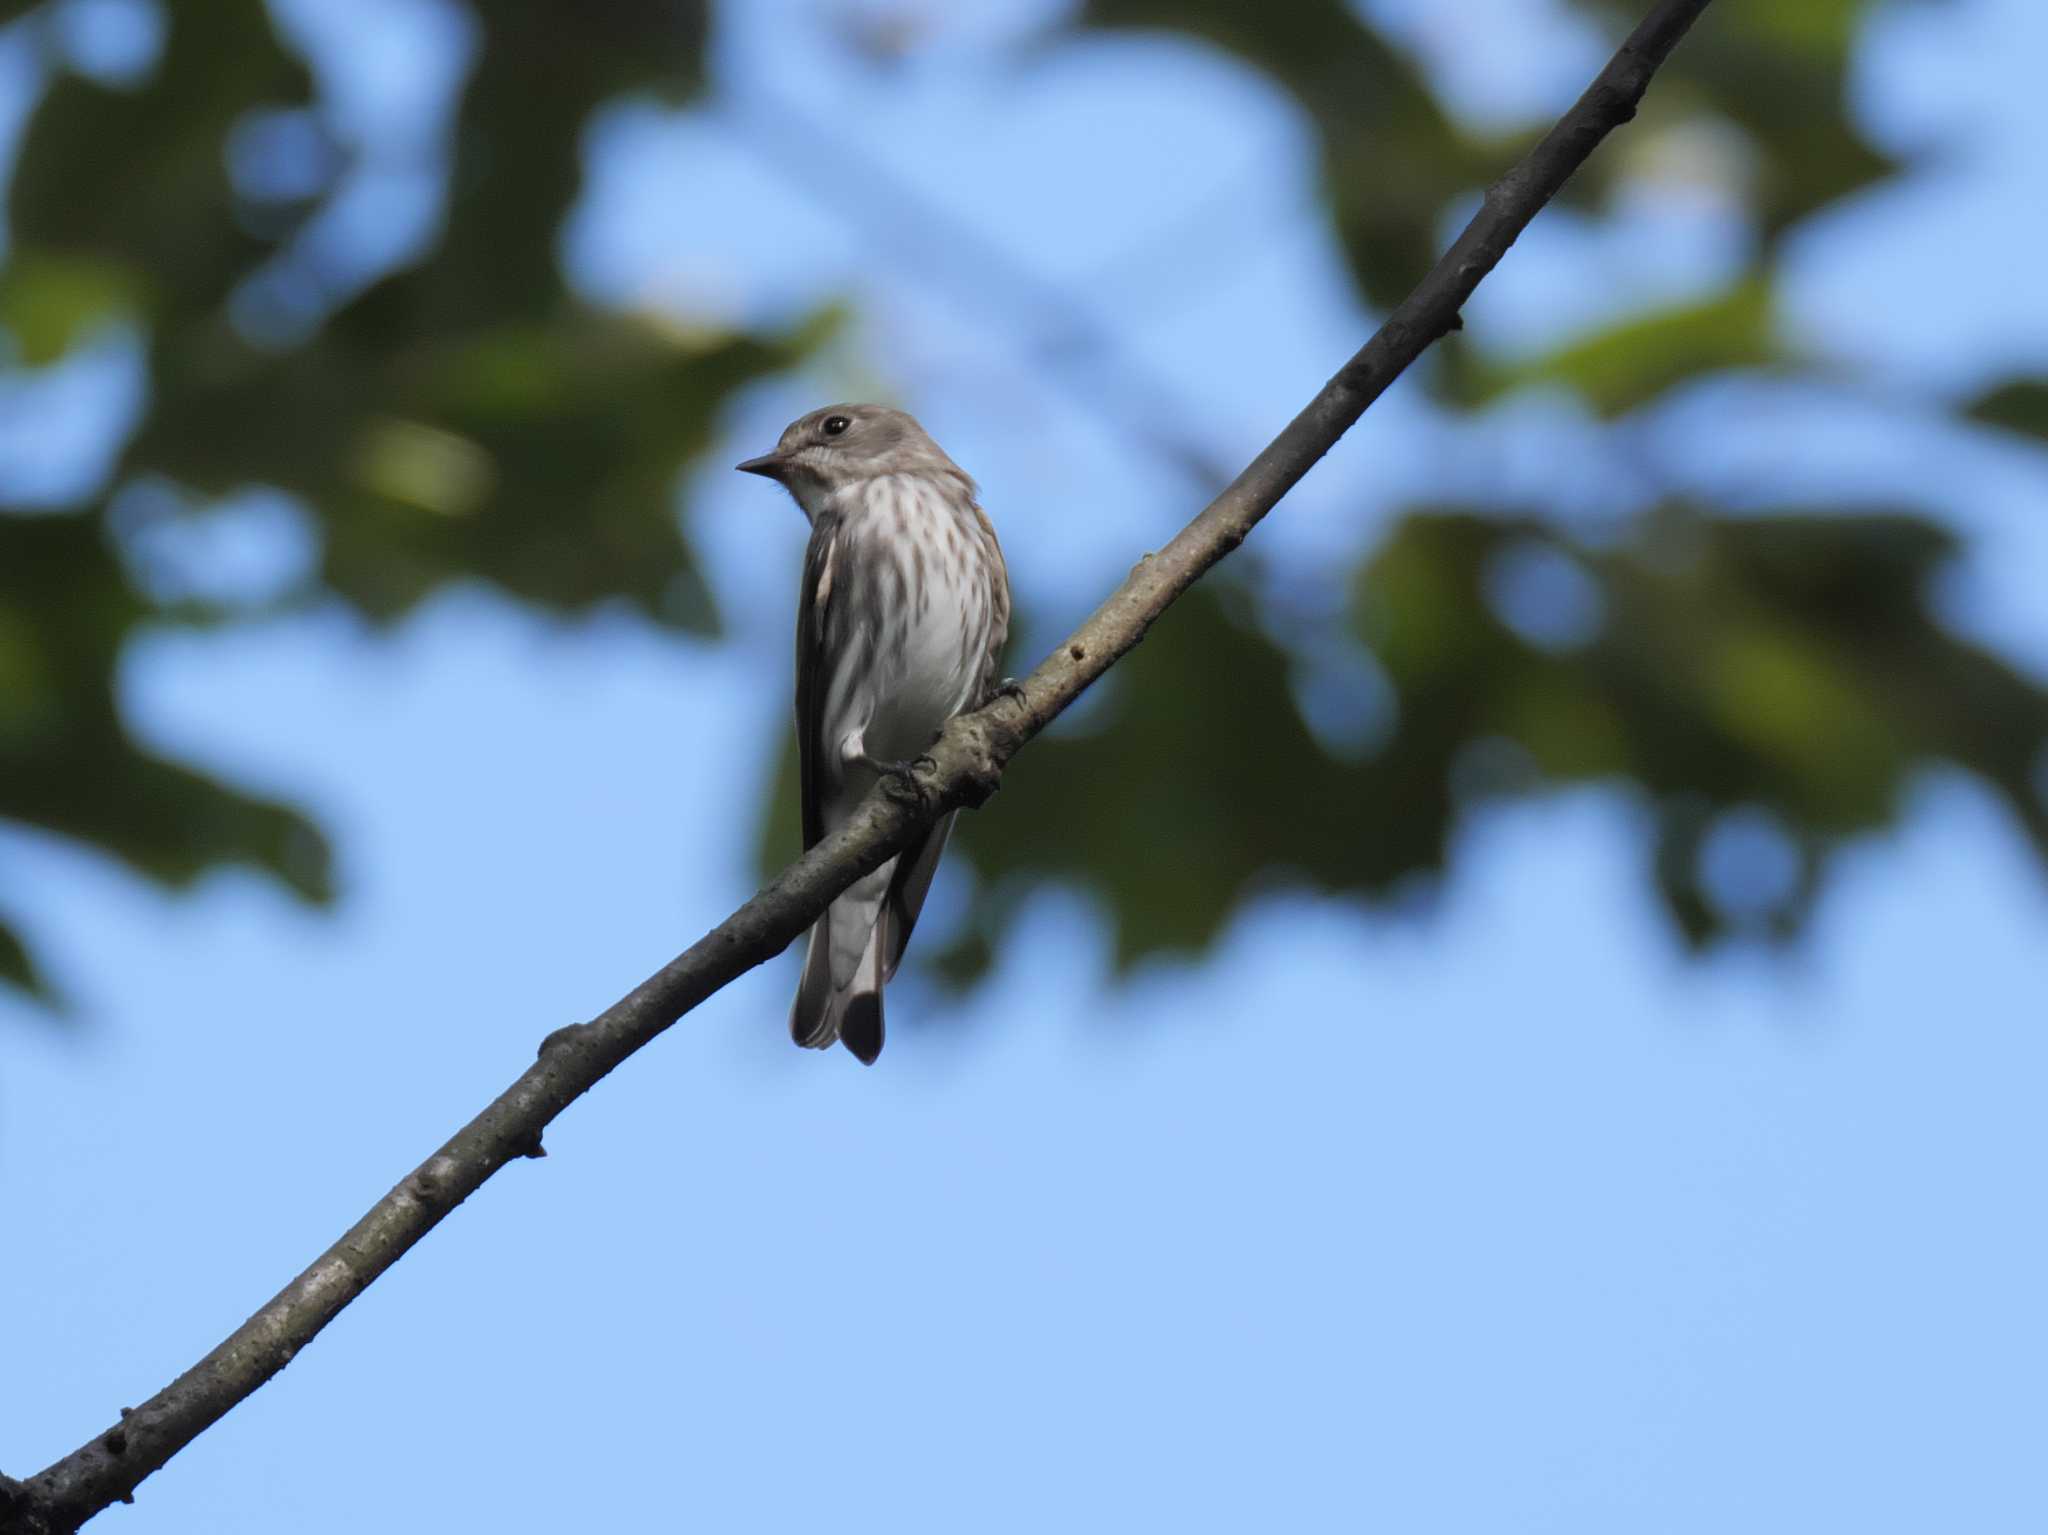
(834, 425)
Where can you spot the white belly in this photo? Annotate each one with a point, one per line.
(930, 662)
(925, 617)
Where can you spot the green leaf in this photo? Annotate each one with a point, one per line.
(18, 968)
(1787, 662)
(1634, 361)
(68, 764)
(2020, 406)
(48, 302)
(136, 179)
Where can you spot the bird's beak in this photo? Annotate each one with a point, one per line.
(773, 465)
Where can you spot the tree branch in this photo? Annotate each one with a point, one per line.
(965, 766)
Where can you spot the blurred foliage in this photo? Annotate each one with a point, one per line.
(65, 761)
(2019, 406)
(1765, 685)
(1787, 663)
(1768, 685)
(1638, 359)
(465, 417)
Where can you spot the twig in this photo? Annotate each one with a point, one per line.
(965, 766)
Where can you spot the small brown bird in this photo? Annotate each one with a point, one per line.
(900, 624)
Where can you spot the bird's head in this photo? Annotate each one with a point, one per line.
(828, 449)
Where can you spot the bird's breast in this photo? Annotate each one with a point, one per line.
(920, 589)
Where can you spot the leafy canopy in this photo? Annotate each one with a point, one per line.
(466, 417)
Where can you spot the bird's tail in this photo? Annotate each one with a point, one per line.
(840, 995)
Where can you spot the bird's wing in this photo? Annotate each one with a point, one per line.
(813, 1018)
(998, 608)
(813, 604)
(919, 861)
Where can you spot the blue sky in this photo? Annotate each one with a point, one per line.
(1493, 1214)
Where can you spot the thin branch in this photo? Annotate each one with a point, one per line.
(965, 766)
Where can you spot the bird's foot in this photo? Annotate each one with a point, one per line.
(1012, 689)
(900, 778)
(884, 767)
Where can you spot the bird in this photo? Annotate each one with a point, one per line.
(901, 621)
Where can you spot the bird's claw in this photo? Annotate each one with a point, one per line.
(900, 778)
(905, 768)
(1013, 690)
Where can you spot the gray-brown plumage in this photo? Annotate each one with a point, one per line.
(900, 625)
